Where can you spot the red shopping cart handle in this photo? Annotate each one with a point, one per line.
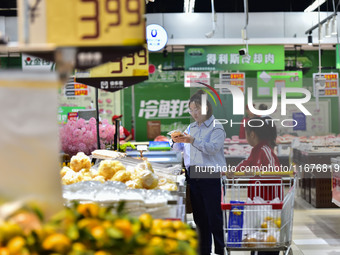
(275, 206)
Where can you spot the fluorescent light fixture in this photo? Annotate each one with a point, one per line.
(333, 26)
(320, 33)
(314, 5)
(327, 29)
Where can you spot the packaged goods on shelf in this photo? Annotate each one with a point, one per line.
(145, 187)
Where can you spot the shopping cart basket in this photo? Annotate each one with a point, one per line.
(258, 213)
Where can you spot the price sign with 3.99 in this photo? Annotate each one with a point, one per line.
(88, 22)
(136, 64)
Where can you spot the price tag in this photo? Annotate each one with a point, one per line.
(142, 148)
(118, 74)
(82, 22)
(331, 84)
(134, 64)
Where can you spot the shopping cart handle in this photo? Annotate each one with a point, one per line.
(275, 206)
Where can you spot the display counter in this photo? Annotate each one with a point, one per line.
(313, 166)
(164, 157)
(336, 181)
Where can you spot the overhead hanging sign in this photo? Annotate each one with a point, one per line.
(266, 81)
(31, 63)
(82, 22)
(221, 58)
(233, 79)
(329, 86)
(118, 74)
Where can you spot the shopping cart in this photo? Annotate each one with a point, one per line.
(258, 213)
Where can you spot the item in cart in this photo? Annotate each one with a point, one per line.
(270, 241)
(108, 168)
(80, 161)
(235, 224)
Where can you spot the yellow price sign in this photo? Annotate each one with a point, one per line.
(134, 64)
(84, 22)
(118, 74)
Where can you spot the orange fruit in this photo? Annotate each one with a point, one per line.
(125, 226)
(57, 242)
(16, 244)
(271, 240)
(88, 210)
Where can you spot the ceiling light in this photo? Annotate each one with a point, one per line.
(327, 29)
(333, 26)
(320, 32)
(310, 39)
(314, 5)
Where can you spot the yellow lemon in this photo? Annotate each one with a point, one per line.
(146, 220)
(156, 241)
(16, 244)
(264, 225)
(57, 242)
(157, 223)
(278, 223)
(181, 235)
(166, 224)
(177, 224)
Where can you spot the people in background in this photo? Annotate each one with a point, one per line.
(202, 146)
(248, 115)
(262, 139)
(124, 134)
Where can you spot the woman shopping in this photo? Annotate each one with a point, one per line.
(202, 147)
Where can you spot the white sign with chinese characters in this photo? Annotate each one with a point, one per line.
(163, 109)
(192, 78)
(30, 63)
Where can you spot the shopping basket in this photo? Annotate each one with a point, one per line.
(258, 213)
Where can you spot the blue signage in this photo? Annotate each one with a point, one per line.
(300, 119)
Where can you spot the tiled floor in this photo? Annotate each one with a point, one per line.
(315, 231)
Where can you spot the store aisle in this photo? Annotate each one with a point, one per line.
(315, 231)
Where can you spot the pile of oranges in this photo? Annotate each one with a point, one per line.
(89, 229)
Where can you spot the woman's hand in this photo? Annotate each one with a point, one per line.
(184, 139)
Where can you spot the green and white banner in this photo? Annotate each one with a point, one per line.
(221, 58)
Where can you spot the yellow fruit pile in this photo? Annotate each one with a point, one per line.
(142, 176)
(90, 229)
(271, 223)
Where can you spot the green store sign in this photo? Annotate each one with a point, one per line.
(222, 58)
